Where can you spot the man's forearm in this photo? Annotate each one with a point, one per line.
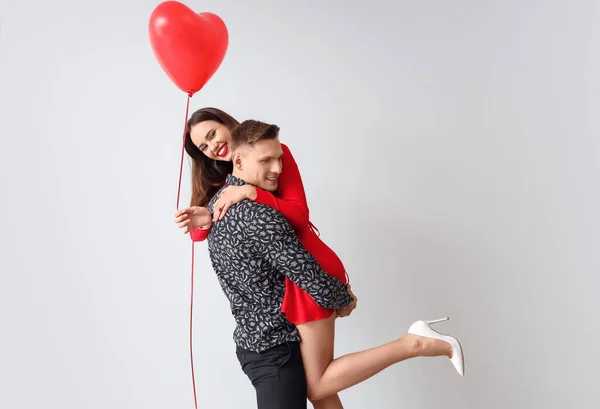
(304, 271)
(333, 295)
(276, 240)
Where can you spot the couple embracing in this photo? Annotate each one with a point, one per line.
(285, 286)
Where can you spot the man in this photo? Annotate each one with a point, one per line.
(252, 249)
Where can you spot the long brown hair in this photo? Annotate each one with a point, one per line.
(208, 175)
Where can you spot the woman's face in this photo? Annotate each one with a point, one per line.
(213, 139)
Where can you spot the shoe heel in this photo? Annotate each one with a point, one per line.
(436, 321)
(423, 329)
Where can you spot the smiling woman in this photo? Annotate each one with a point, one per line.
(208, 170)
(211, 137)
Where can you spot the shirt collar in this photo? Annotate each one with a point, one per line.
(234, 180)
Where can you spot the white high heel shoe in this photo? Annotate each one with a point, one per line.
(423, 329)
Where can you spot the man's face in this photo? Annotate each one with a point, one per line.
(260, 164)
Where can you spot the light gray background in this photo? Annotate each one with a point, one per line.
(450, 152)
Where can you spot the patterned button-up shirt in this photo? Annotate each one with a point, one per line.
(252, 249)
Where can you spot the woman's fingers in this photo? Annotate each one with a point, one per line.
(184, 213)
(184, 223)
(225, 208)
(216, 211)
(219, 209)
(182, 218)
(188, 210)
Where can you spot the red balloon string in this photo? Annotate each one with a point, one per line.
(191, 332)
(187, 110)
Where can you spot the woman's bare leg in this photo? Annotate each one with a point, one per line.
(326, 376)
(317, 353)
(330, 402)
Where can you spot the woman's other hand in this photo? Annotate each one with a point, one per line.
(230, 196)
(194, 217)
(347, 310)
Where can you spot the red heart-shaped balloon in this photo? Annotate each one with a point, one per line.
(189, 46)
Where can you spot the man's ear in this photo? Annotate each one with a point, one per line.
(237, 160)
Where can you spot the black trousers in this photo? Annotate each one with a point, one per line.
(277, 375)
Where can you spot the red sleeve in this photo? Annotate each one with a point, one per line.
(199, 234)
(291, 198)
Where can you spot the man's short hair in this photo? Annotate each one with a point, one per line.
(251, 131)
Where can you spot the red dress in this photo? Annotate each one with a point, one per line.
(298, 306)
